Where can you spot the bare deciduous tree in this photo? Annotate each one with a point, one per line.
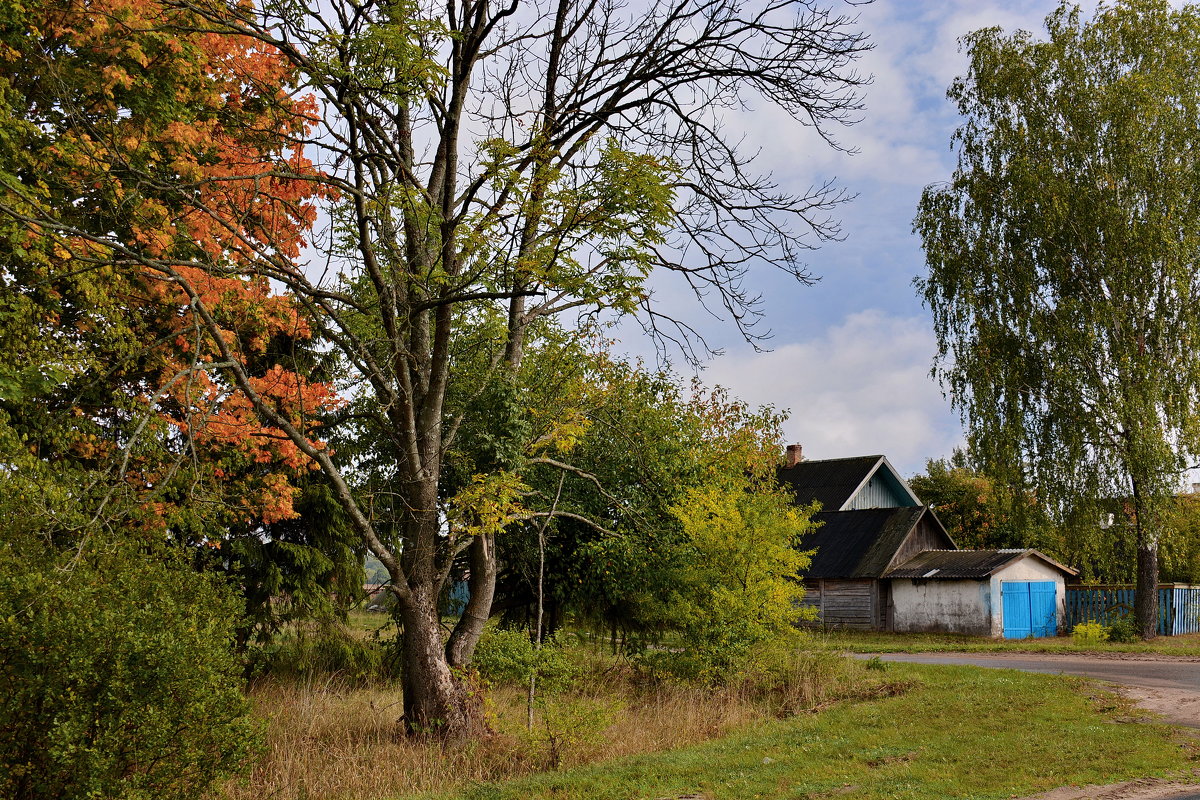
(500, 164)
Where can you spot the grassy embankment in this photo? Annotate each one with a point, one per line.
(329, 739)
(818, 726)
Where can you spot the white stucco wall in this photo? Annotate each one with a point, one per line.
(945, 606)
(967, 606)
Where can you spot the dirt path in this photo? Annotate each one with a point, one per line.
(1148, 789)
(1178, 706)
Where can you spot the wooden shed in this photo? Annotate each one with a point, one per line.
(854, 549)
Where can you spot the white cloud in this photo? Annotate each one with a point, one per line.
(862, 387)
(904, 134)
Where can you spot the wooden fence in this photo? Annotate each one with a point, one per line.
(1178, 606)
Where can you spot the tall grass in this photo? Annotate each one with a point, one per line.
(333, 740)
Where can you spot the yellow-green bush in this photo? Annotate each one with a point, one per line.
(1089, 633)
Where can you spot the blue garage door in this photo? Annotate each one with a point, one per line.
(1029, 609)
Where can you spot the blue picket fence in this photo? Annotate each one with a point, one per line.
(1178, 606)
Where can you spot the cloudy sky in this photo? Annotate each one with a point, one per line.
(850, 357)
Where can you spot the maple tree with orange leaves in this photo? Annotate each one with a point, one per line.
(139, 138)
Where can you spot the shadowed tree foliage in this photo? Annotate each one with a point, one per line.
(1181, 550)
(978, 511)
(1062, 262)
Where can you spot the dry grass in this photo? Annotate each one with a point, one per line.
(327, 741)
(332, 742)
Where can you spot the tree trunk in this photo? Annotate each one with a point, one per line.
(478, 610)
(1146, 597)
(436, 702)
(1145, 523)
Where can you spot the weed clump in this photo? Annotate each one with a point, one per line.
(1089, 634)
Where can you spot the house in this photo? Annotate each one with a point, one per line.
(870, 522)
(854, 551)
(883, 561)
(1010, 593)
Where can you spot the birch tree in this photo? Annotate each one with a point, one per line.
(1063, 275)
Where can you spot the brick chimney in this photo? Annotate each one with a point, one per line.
(793, 455)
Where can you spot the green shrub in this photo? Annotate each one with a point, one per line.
(1123, 631)
(568, 729)
(120, 679)
(1089, 633)
(509, 657)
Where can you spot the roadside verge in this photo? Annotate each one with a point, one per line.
(960, 732)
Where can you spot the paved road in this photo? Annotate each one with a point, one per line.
(1149, 674)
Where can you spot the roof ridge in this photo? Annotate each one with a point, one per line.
(892, 509)
(842, 458)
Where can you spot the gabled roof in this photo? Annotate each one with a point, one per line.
(858, 544)
(967, 564)
(835, 482)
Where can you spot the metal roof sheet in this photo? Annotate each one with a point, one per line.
(965, 564)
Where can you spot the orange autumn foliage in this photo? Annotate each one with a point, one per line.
(168, 154)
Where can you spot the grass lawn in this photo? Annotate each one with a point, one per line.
(368, 622)
(874, 642)
(959, 732)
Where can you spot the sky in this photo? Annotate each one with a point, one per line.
(850, 358)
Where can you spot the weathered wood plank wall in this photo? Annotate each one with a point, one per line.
(844, 603)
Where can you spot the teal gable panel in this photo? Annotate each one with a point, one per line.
(884, 489)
